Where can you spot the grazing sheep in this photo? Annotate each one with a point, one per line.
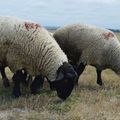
(89, 45)
(6, 80)
(29, 46)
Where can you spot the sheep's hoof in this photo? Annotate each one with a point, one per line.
(100, 83)
(6, 83)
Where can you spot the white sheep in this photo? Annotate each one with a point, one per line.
(5, 78)
(90, 45)
(24, 44)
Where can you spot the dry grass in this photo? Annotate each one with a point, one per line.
(87, 102)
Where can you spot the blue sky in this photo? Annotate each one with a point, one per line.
(104, 13)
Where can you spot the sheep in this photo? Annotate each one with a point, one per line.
(6, 80)
(29, 46)
(89, 45)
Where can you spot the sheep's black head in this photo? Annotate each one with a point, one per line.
(65, 80)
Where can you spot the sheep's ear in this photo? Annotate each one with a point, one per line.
(60, 76)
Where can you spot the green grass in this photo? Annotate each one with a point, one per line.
(87, 102)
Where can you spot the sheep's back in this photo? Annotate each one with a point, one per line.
(30, 46)
(87, 39)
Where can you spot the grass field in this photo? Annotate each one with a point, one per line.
(87, 102)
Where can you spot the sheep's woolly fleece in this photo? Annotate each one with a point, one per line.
(95, 46)
(25, 44)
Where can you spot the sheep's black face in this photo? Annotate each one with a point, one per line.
(65, 80)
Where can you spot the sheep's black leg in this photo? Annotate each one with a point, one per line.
(99, 80)
(17, 78)
(27, 81)
(16, 88)
(4, 77)
(25, 77)
(36, 84)
(51, 85)
(79, 71)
